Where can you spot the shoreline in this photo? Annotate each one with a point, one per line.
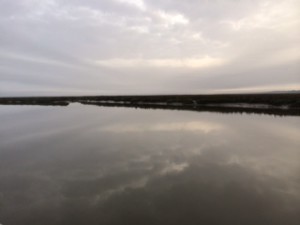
(275, 104)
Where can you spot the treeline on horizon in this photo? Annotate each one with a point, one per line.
(291, 100)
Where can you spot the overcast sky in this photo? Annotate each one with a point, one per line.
(64, 47)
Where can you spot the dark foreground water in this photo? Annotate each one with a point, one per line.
(92, 165)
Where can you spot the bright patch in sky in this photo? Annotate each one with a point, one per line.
(187, 63)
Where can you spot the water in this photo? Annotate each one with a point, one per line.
(96, 165)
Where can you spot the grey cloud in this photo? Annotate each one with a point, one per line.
(59, 42)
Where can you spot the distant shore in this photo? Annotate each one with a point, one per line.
(275, 103)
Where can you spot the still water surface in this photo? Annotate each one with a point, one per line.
(95, 165)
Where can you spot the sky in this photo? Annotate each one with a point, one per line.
(88, 47)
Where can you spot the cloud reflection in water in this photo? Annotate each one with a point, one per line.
(124, 166)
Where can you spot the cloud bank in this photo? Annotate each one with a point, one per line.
(59, 47)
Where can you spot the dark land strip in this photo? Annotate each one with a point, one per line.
(274, 104)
